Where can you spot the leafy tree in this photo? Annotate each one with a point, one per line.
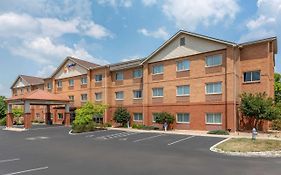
(121, 115)
(17, 113)
(258, 106)
(163, 117)
(85, 114)
(277, 87)
(3, 107)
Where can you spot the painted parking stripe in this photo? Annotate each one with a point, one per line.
(9, 160)
(147, 138)
(34, 129)
(117, 135)
(26, 171)
(180, 140)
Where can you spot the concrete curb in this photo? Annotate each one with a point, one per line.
(15, 129)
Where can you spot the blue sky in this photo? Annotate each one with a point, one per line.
(36, 35)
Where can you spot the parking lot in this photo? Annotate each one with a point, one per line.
(51, 150)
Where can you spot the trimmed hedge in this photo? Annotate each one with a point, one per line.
(218, 132)
(138, 126)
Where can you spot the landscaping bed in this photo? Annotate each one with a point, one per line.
(92, 126)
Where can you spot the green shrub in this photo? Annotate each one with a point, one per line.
(140, 126)
(107, 125)
(91, 126)
(3, 121)
(218, 132)
(276, 124)
(122, 116)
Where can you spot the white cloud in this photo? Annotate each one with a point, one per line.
(149, 2)
(4, 90)
(189, 14)
(159, 33)
(116, 3)
(259, 22)
(46, 71)
(95, 30)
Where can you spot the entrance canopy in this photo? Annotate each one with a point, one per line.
(37, 97)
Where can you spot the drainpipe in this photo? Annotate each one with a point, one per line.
(225, 90)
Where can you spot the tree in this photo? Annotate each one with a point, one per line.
(259, 107)
(277, 87)
(85, 114)
(163, 117)
(3, 107)
(17, 113)
(121, 115)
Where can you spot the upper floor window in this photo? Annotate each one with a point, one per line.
(84, 80)
(49, 85)
(119, 95)
(213, 118)
(252, 76)
(98, 96)
(71, 97)
(158, 69)
(98, 78)
(138, 117)
(157, 92)
(137, 94)
(59, 84)
(214, 88)
(137, 73)
(182, 117)
(182, 41)
(213, 60)
(84, 97)
(71, 82)
(183, 90)
(183, 65)
(119, 76)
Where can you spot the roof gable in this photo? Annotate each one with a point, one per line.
(24, 80)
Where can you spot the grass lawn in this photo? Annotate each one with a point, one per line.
(249, 145)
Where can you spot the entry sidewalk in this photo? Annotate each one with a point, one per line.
(270, 135)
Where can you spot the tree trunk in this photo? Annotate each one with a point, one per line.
(256, 123)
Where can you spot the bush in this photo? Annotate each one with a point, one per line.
(140, 126)
(218, 132)
(3, 121)
(276, 124)
(91, 126)
(122, 116)
(107, 125)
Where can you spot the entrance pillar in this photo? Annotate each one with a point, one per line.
(9, 117)
(67, 116)
(48, 115)
(27, 115)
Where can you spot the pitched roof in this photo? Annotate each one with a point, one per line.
(30, 80)
(126, 64)
(40, 95)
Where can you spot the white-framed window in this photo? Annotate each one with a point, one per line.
(60, 116)
(138, 117)
(137, 94)
(98, 96)
(119, 76)
(158, 69)
(214, 88)
(157, 92)
(137, 73)
(49, 85)
(213, 118)
(84, 97)
(71, 97)
(71, 82)
(252, 76)
(182, 41)
(213, 60)
(182, 117)
(59, 84)
(119, 95)
(183, 65)
(154, 115)
(183, 90)
(98, 77)
(84, 80)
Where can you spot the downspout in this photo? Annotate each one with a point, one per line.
(225, 89)
(235, 89)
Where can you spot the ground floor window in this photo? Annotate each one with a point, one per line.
(154, 117)
(138, 117)
(60, 115)
(213, 118)
(37, 115)
(182, 117)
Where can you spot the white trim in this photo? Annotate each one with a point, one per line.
(184, 70)
(183, 113)
(183, 95)
(215, 65)
(213, 123)
(157, 88)
(214, 93)
(158, 73)
(180, 140)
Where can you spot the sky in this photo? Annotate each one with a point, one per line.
(37, 35)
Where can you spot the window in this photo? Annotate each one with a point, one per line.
(182, 117)
(84, 80)
(154, 115)
(60, 115)
(84, 97)
(213, 118)
(213, 88)
(119, 76)
(137, 73)
(119, 95)
(252, 76)
(182, 41)
(98, 78)
(138, 117)
(98, 96)
(183, 65)
(49, 86)
(71, 82)
(59, 84)
(21, 91)
(157, 92)
(137, 94)
(213, 60)
(37, 115)
(71, 98)
(157, 69)
(183, 90)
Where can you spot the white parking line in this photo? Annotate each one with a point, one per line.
(34, 129)
(180, 140)
(9, 160)
(117, 135)
(147, 138)
(29, 170)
